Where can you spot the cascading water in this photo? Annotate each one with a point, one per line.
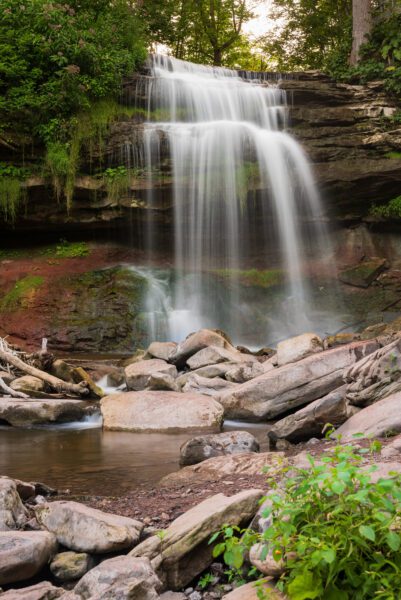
(245, 205)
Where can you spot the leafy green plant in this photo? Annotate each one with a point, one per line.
(206, 580)
(391, 209)
(116, 182)
(338, 531)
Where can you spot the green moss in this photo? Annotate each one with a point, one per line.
(22, 290)
(391, 209)
(393, 155)
(253, 277)
(67, 250)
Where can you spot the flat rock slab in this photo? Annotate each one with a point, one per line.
(293, 385)
(217, 468)
(25, 413)
(184, 552)
(169, 412)
(377, 420)
(84, 529)
(309, 421)
(24, 553)
(118, 578)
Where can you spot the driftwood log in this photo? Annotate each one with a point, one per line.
(10, 391)
(77, 389)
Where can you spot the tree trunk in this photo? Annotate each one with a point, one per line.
(361, 26)
(217, 57)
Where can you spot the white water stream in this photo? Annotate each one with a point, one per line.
(241, 185)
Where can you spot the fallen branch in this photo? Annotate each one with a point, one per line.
(77, 389)
(10, 391)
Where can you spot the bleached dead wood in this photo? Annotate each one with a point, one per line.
(77, 389)
(10, 392)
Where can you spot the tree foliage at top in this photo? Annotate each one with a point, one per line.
(204, 31)
(57, 58)
(309, 34)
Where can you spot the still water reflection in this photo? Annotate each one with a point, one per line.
(90, 461)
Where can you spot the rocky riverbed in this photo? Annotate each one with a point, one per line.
(152, 541)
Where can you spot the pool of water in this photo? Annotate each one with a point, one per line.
(84, 459)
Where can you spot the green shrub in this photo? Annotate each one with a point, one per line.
(57, 165)
(11, 190)
(338, 532)
(117, 182)
(391, 209)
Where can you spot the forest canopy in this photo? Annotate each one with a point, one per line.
(58, 59)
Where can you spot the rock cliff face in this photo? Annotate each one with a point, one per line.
(345, 130)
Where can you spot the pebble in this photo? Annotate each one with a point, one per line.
(188, 591)
(195, 596)
(227, 587)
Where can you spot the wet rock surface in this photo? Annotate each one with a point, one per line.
(204, 447)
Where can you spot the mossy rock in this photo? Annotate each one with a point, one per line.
(21, 294)
(363, 274)
(100, 311)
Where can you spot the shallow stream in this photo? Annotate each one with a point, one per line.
(82, 458)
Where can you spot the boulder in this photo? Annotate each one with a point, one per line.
(309, 421)
(251, 591)
(160, 411)
(62, 370)
(84, 529)
(12, 512)
(162, 350)
(184, 552)
(68, 566)
(24, 413)
(120, 578)
(162, 381)
(210, 386)
(220, 467)
(25, 489)
(297, 348)
(247, 371)
(195, 342)
(41, 591)
(24, 553)
(137, 374)
(213, 355)
(364, 273)
(293, 385)
(209, 372)
(32, 386)
(377, 420)
(375, 376)
(203, 447)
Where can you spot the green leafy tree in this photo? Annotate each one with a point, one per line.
(57, 58)
(309, 34)
(207, 31)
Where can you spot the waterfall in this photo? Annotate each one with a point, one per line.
(244, 201)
